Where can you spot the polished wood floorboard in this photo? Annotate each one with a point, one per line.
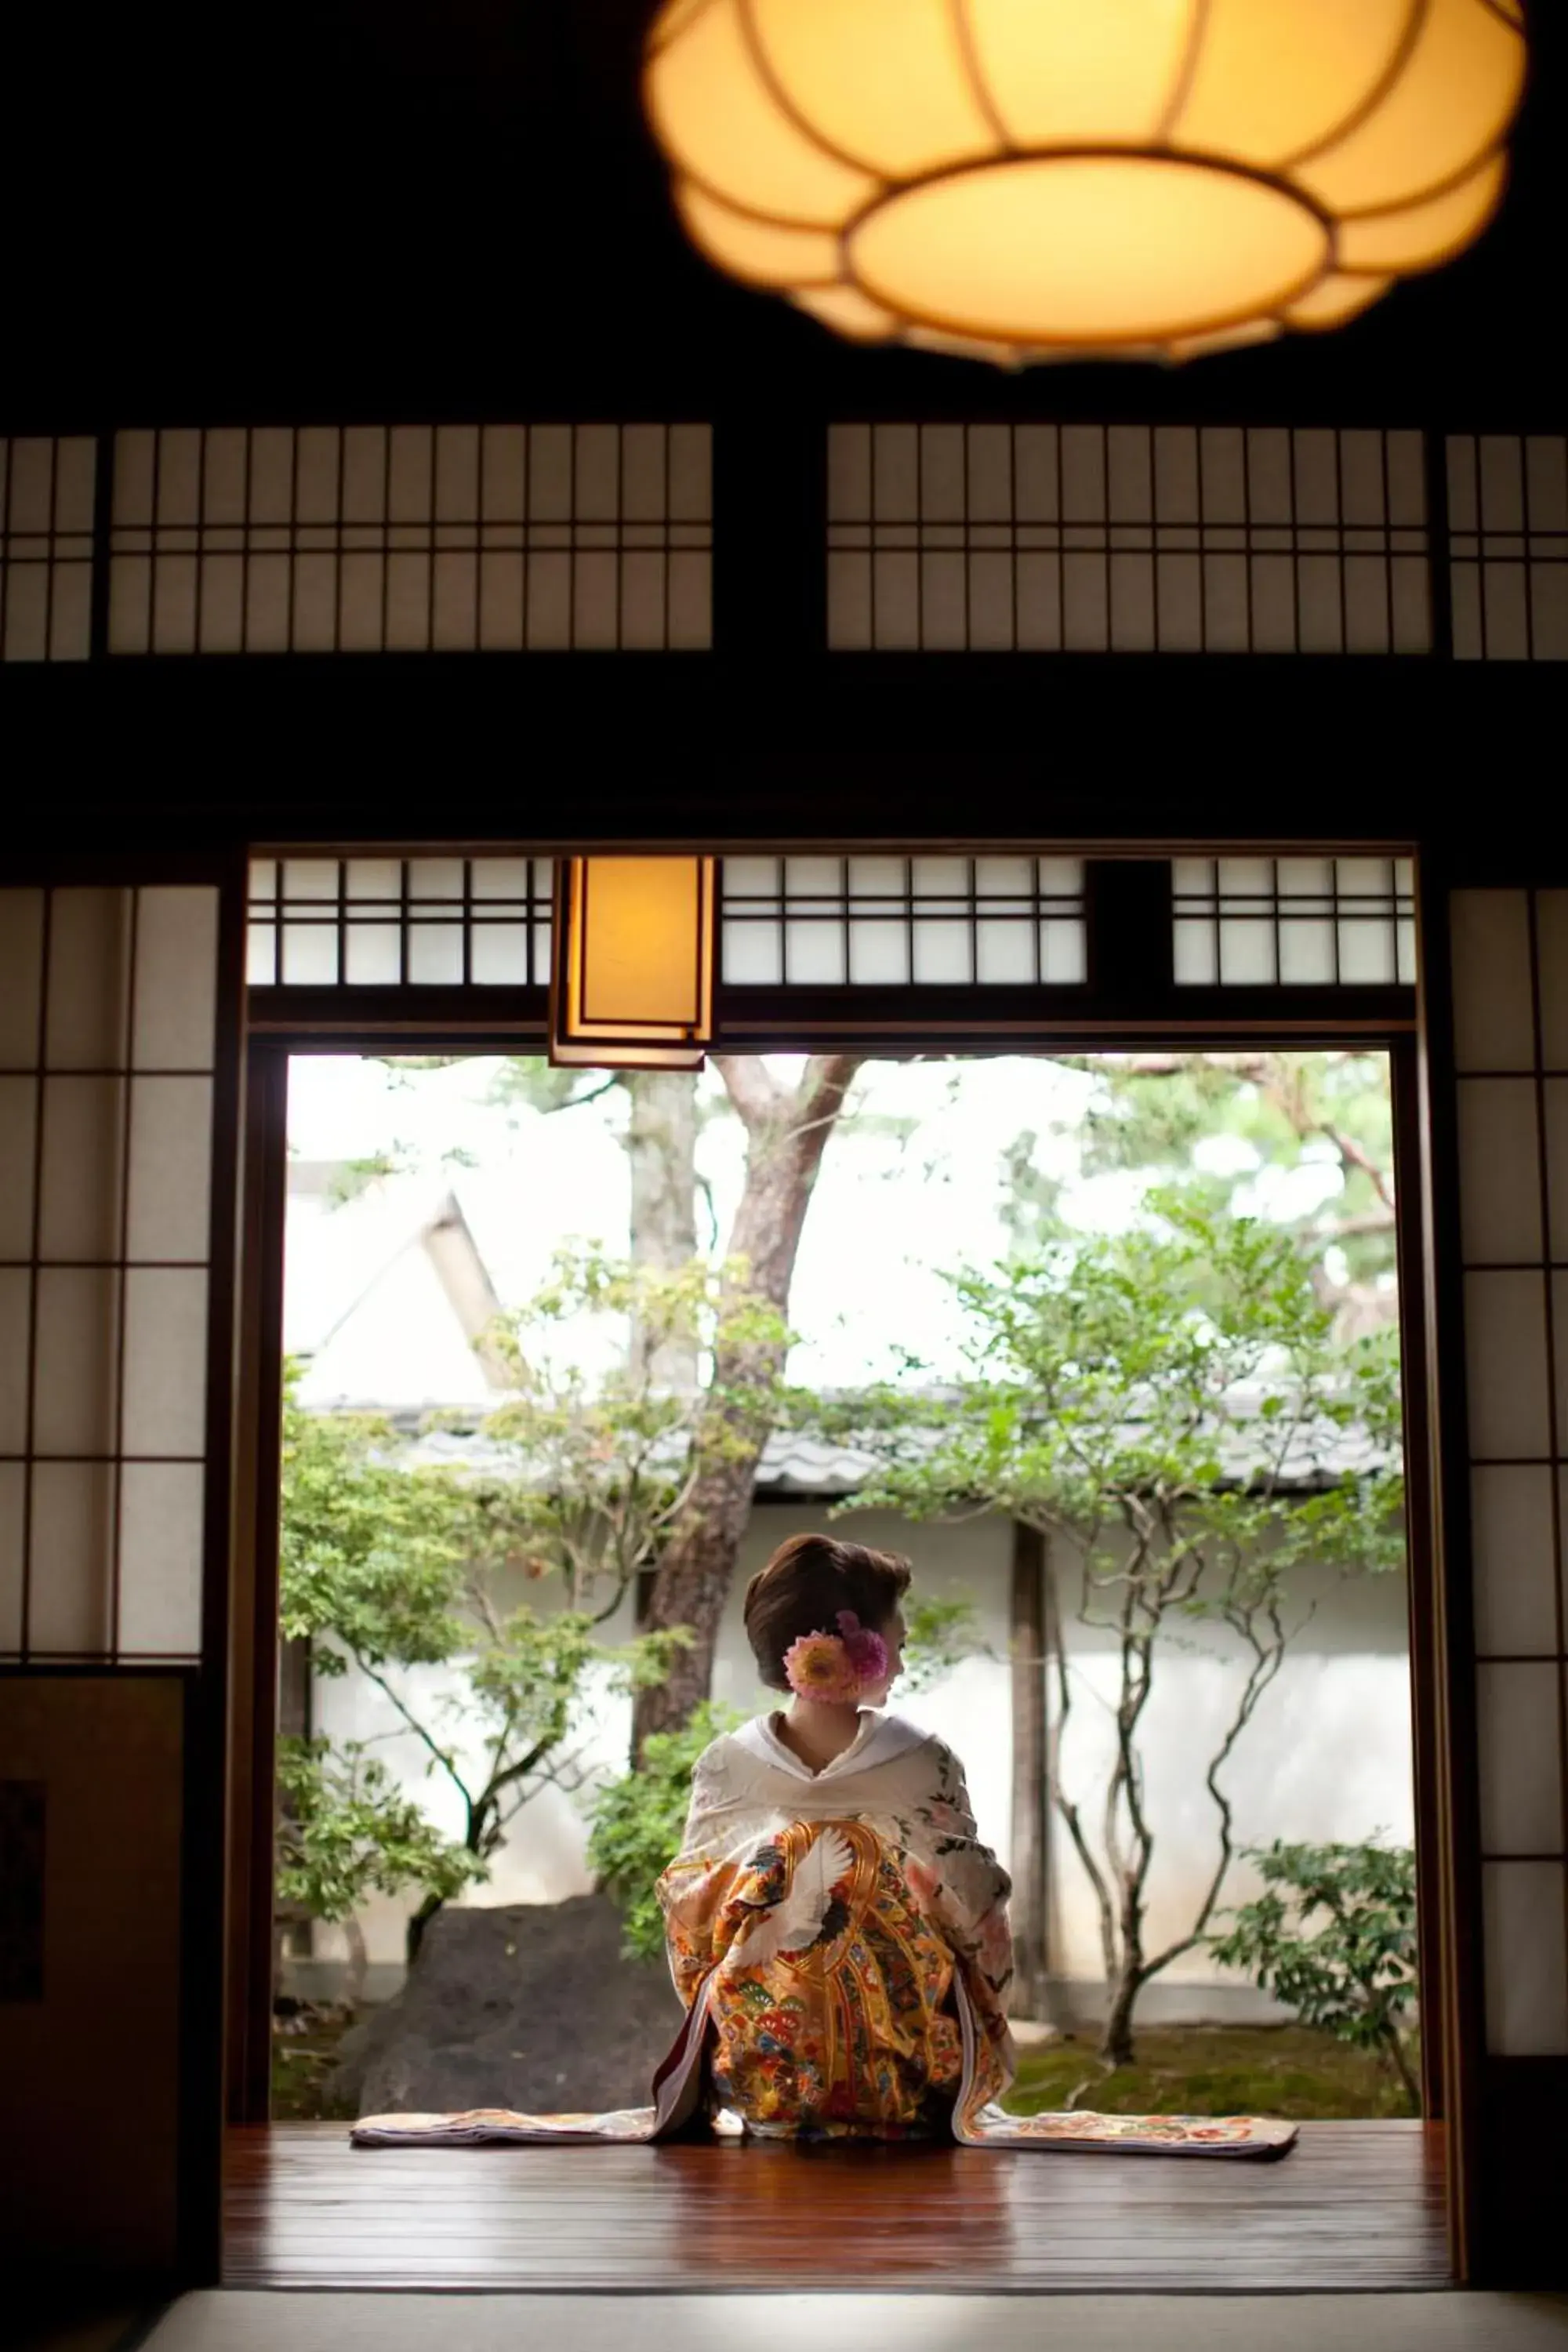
(1355, 2206)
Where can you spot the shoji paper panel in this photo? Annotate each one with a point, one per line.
(412, 538)
(399, 922)
(1510, 957)
(47, 489)
(1284, 922)
(108, 1023)
(1126, 539)
(1508, 521)
(834, 922)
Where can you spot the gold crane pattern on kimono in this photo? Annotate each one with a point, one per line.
(830, 1986)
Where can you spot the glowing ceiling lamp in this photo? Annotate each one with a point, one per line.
(632, 968)
(1044, 179)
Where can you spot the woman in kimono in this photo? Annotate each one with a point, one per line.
(835, 1928)
(837, 1931)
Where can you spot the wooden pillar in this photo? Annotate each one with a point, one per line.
(1031, 1810)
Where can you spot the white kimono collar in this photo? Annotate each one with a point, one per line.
(880, 1738)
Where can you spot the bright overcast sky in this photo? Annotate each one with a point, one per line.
(886, 1217)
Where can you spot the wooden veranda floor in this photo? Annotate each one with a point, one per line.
(1355, 2206)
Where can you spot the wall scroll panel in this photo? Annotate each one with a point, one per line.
(46, 488)
(107, 1027)
(1509, 956)
(1291, 923)
(1126, 539)
(412, 538)
(1508, 522)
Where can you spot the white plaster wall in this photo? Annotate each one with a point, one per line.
(1328, 1757)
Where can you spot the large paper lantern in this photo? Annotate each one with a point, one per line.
(1036, 179)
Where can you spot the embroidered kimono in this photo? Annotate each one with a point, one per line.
(842, 1937)
(840, 1941)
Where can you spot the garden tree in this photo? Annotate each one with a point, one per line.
(1333, 1937)
(1287, 1113)
(346, 1833)
(787, 1129)
(398, 1569)
(663, 1119)
(1169, 1407)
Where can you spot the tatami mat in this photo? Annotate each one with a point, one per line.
(235, 2321)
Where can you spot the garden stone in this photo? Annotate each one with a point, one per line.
(525, 2005)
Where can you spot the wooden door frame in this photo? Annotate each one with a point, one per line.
(1442, 1722)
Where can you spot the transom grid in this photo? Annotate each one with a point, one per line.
(412, 538)
(840, 922)
(399, 922)
(1294, 922)
(1126, 539)
(47, 488)
(1507, 516)
(834, 922)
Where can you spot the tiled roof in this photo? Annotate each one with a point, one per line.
(794, 1462)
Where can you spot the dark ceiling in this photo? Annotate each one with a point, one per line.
(408, 207)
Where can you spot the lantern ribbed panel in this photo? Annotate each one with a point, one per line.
(1030, 179)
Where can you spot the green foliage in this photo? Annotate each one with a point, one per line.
(353, 1177)
(641, 1819)
(394, 1569)
(372, 1553)
(603, 1455)
(1333, 1938)
(938, 1635)
(1166, 1382)
(1323, 1121)
(1169, 1405)
(346, 1833)
(1212, 2070)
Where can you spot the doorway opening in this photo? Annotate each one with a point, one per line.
(459, 1255)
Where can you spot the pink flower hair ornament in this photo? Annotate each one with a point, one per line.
(835, 1668)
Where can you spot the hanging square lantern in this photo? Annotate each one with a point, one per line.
(632, 968)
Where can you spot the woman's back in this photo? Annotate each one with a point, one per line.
(845, 1932)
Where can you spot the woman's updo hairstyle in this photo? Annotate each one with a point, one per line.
(806, 1584)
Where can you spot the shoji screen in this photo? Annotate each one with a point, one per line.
(108, 1039)
(1126, 539)
(1508, 521)
(1510, 1034)
(412, 538)
(1508, 957)
(119, 1009)
(46, 490)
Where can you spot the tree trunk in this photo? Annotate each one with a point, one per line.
(414, 1934)
(294, 1935)
(1116, 2042)
(1031, 1774)
(1394, 2048)
(661, 1147)
(786, 1134)
(359, 1963)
